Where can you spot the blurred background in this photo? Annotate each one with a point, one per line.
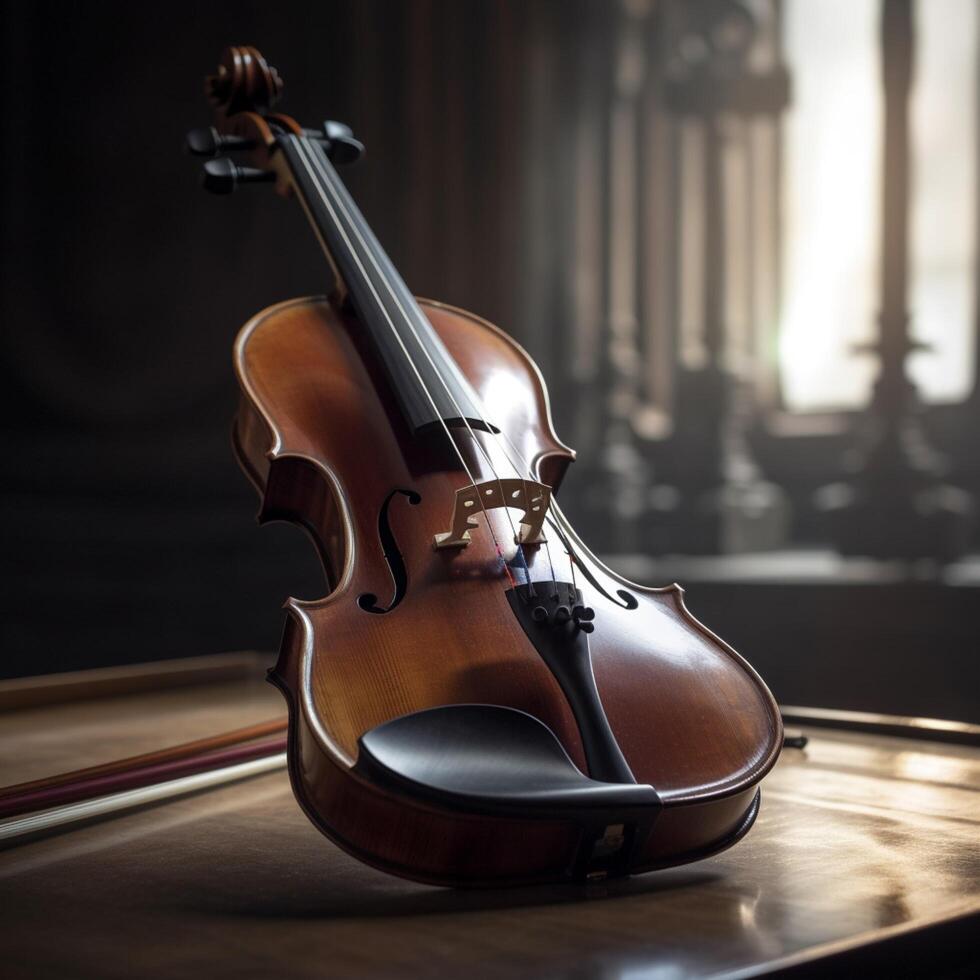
(738, 237)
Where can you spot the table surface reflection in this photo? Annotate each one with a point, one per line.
(857, 835)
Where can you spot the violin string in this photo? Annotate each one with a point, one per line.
(571, 561)
(335, 185)
(309, 163)
(525, 469)
(549, 518)
(526, 465)
(330, 179)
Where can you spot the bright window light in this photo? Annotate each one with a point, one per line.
(832, 198)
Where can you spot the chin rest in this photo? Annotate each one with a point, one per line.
(494, 760)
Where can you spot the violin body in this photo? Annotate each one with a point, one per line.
(477, 700)
(321, 437)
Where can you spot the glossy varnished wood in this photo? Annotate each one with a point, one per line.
(320, 437)
(862, 838)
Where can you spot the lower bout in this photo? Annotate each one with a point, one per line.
(439, 846)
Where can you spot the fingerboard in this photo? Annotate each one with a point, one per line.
(429, 387)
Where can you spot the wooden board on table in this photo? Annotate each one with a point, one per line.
(865, 849)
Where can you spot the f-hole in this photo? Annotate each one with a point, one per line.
(368, 601)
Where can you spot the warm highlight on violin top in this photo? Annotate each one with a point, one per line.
(478, 700)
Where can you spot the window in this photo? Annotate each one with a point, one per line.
(832, 149)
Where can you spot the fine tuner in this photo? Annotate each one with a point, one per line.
(578, 614)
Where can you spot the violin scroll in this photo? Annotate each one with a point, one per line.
(243, 90)
(244, 82)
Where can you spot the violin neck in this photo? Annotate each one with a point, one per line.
(428, 384)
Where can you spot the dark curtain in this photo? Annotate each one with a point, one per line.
(128, 529)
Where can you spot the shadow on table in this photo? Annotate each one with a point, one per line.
(357, 895)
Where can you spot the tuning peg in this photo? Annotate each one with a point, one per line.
(342, 148)
(339, 142)
(221, 176)
(334, 130)
(208, 142)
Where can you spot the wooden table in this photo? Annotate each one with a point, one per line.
(865, 857)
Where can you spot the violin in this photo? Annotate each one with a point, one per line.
(478, 701)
